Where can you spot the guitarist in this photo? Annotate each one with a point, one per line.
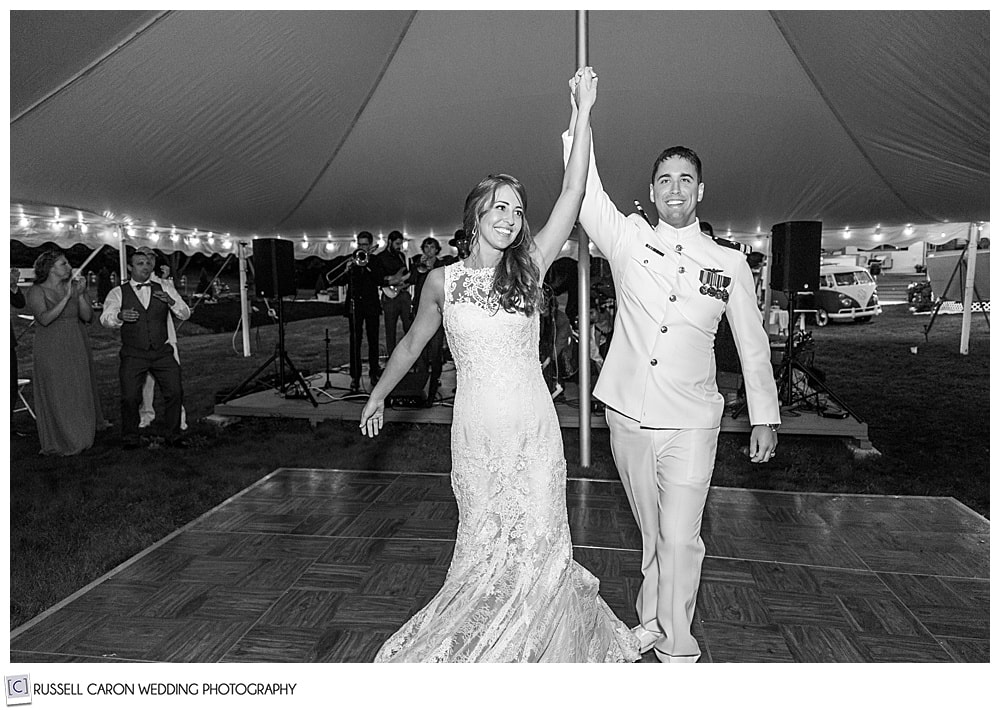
(396, 302)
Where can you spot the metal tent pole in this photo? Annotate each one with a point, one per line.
(583, 284)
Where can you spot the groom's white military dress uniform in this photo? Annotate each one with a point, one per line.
(663, 405)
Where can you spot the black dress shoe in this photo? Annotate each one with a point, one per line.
(131, 444)
(178, 443)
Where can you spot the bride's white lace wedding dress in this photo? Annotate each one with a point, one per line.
(513, 591)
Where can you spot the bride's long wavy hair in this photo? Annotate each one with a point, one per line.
(516, 280)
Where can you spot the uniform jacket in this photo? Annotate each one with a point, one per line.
(673, 286)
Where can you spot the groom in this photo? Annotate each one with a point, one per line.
(673, 285)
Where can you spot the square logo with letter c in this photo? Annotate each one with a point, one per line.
(18, 688)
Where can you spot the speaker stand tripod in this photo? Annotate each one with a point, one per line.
(787, 394)
(281, 356)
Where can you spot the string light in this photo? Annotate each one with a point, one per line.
(908, 230)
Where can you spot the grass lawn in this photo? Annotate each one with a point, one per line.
(73, 519)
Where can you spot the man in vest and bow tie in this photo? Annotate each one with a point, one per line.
(141, 308)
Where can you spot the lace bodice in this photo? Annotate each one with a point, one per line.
(489, 345)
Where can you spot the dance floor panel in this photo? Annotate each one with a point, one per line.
(315, 565)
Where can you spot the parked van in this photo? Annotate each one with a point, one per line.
(846, 293)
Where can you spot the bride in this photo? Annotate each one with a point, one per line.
(513, 591)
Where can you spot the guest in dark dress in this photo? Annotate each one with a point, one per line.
(67, 403)
(16, 301)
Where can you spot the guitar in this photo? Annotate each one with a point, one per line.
(397, 283)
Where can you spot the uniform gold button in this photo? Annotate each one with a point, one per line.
(663, 329)
(645, 261)
(652, 362)
(678, 248)
(680, 270)
(673, 298)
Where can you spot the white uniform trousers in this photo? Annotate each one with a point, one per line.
(666, 474)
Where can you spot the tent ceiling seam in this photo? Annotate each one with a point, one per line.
(350, 128)
(843, 124)
(93, 65)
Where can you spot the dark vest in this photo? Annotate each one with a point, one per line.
(148, 334)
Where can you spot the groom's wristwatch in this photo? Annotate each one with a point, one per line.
(773, 427)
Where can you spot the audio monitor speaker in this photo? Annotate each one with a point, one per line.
(274, 268)
(795, 256)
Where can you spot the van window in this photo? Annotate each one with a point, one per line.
(852, 278)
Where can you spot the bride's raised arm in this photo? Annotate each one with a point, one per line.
(550, 239)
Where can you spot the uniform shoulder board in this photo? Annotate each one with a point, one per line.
(742, 248)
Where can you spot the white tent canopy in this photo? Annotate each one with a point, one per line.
(321, 124)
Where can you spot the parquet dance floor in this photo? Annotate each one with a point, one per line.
(323, 565)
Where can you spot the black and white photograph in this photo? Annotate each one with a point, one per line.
(496, 336)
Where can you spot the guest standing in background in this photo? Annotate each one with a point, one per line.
(141, 309)
(67, 403)
(16, 301)
(146, 411)
(420, 266)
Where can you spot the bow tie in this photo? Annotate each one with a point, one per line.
(144, 285)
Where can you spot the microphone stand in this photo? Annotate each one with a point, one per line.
(328, 384)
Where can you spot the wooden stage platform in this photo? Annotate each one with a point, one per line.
(323, 565)
(336, 403)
